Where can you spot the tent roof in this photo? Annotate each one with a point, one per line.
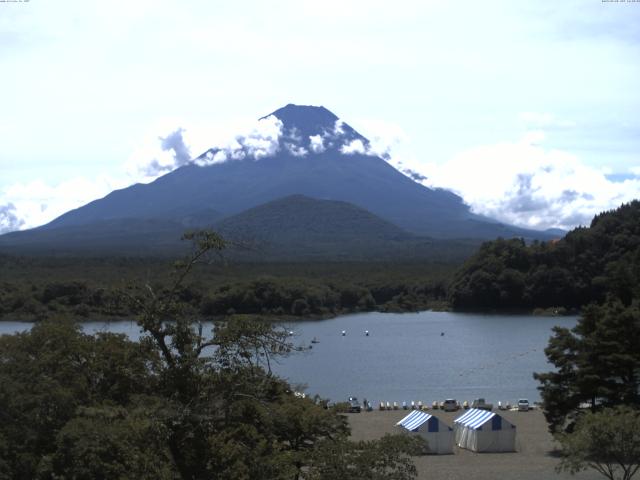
(413, 421)
(475, 418)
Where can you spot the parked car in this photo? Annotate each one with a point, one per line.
(450, 405)
(354, 405)
(523, 405)
(481, 404)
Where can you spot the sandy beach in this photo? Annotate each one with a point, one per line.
(533, 460)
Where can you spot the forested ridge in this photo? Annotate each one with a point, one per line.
(588, 265)
(37, 288)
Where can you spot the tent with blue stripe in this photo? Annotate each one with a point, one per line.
(438, 435)
(484, 431)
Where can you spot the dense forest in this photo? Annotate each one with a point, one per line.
(587, 265)
(181, 403)
(36, 288)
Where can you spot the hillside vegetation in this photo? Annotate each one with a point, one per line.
(179, 404)
(36, 288)
(587, 265)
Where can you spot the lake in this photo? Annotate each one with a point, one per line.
(406, 356)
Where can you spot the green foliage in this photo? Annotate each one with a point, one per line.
(32, 289)
(587, 265)
(179, 404)
(110, 442)
(607, 441)
(48, 373)
(387, 458)
(597, 364)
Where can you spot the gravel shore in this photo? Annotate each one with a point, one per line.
(533, 460)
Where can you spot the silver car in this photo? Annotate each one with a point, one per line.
(450, 405)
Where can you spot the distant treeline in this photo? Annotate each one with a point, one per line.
(39, 288)
(587, 265)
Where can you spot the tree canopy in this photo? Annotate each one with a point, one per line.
(587, 265)
(179, 403)
(597, 364)
(606, 441)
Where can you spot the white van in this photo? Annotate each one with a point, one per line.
(523, 405)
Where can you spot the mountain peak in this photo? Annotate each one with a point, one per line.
(300, 122)
(293, 115)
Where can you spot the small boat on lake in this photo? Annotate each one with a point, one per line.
(315, 340)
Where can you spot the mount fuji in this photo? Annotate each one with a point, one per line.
(309, 153)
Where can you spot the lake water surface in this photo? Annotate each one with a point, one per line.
(406, 356)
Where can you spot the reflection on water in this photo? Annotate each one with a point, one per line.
(412, 356)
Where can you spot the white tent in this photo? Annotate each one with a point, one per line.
(438, 435)
(483, 431)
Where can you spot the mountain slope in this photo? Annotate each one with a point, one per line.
(233, 186)
(301, 228)
(124, 236)
(299, 218)
(294, 228)
(313, 154)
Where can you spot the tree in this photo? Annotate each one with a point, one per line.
(597, 364)
(48, 374)
(607, 441)
(227, 415)
(387, 458)
(179, 404)
(107, 442)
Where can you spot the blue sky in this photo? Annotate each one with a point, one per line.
(527, 109)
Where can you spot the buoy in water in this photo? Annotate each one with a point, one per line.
(366, 333)
(344, 333)
(442, 334)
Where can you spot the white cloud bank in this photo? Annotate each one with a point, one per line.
(526, 184)
(31, 204)
(236, 141)
(521, 183)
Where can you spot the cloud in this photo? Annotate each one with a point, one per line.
(328, 138)
(295, 150)
(9, 221)
(316, 144)
(158, 155)
(179, 154)
(260, 140)
(34, 203)
(544, 120)
(526, 184)
(354, 146)
(30, 204)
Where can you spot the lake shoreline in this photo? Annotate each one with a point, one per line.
(425, 356)
(536, 312)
